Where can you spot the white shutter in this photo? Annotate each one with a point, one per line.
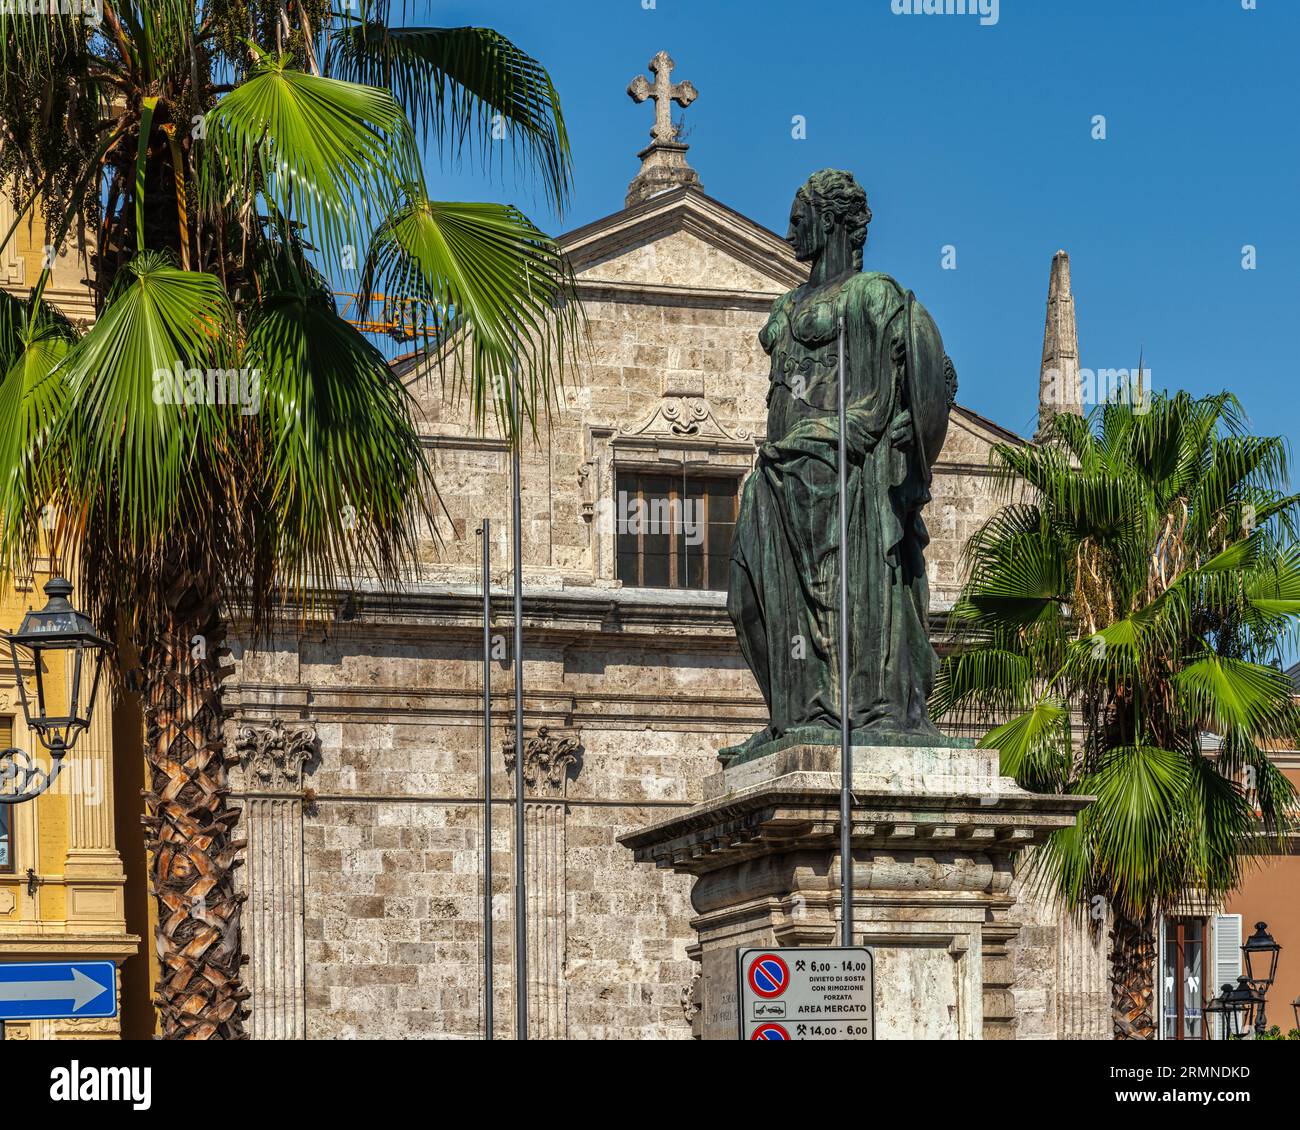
(1227, 959)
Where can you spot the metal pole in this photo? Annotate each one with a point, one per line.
(487, 776)
(521, 888)
(846, 748)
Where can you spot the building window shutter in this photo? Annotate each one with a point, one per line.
(1227, 959)
(1159, 977)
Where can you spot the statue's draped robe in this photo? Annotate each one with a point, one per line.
(784, 585)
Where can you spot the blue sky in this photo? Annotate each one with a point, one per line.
(979, 137)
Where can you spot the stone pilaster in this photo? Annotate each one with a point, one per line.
(273, 758)
(549, 761)
(1082, 978)
(935, 834)
(92, 868)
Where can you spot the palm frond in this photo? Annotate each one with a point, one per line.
(34, 341)
(127, 442)
(1129, 827)
(331, 154)
(342, 477)
(1034, 747)
(500, 290)
(464, 84)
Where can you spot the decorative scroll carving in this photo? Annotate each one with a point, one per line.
(275, 755)
(685, 417)
(547, 759)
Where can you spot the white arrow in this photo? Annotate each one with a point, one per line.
(81, 990)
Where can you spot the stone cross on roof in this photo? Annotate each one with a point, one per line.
(665, 92)
(663, 161)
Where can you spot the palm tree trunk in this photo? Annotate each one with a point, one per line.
(189, 824)
(1132, 976)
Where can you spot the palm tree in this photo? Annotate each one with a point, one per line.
(1130, 598)
(221, 442)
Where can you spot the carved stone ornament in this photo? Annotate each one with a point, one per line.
(685, 417)
(273, 755)
(547, 758)
(691, 999)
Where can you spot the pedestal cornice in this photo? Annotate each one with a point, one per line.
(946, 800)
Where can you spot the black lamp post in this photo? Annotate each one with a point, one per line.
(1295, 1008)
(56, 631)
(1261, 966)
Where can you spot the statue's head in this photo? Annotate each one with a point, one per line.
(828, 199)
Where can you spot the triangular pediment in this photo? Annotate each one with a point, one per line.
(683, 240)
(971, 436)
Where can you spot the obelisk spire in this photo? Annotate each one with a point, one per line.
(663, 162)
(1059, 389)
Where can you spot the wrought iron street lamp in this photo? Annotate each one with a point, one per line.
(1295, 1008)
(1261, 953)
(1242, 1003)
(56, 632)
(1219, 1007)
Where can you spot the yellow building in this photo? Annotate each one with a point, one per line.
(62, 884)
(62, 894)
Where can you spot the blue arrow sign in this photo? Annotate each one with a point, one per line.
(58, 990)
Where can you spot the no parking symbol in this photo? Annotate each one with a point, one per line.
(768, 975)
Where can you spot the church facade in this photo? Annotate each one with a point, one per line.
(361, 742)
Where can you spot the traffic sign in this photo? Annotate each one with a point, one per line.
(806, 994)
(58, 990)
(768, 975)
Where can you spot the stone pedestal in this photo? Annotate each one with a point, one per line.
(936, 834)
(663, 168)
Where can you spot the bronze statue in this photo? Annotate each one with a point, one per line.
(784, 590)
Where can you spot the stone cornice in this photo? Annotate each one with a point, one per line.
(48, 940)
(658, 294)
(557, 708)
(559, 610)
(674, 618)
(936, 799)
